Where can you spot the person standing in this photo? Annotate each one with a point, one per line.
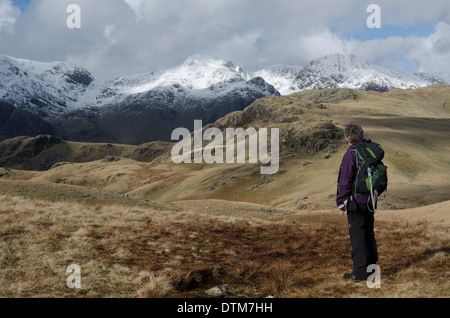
(360, 212)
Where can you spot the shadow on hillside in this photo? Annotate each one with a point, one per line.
(416, 259)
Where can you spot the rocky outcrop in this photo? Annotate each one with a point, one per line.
(37, 153)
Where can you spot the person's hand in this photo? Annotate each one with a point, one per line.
(343, 209)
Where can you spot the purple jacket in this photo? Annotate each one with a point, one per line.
(349, 169)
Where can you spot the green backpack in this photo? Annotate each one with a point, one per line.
(371, 179)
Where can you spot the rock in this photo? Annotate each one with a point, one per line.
(388, 206)
(60, 164)
(303, 207)
(219, 291)
(111, 159)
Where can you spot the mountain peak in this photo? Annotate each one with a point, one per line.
(202, 59)
(280, 76)
(42, 87)
(339, 63)
(337, 70)
(213, 65)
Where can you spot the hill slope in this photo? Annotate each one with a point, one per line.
(412, 126)
(277, 235)
(257, 250)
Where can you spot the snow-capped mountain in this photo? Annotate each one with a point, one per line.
(57, 87)
(348, 71)
(60, 97)
(47, 89)
(340, 71)
(281, 77)
(150, 106)
(134, 109)
(199, 77)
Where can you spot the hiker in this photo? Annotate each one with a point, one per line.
(359, 207)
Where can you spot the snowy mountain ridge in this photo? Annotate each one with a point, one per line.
(342, 71)
(52, 88)
(280, 76)
(55, 88)
(200, 76)
(65, 100)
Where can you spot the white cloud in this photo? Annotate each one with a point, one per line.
(137, 6)
(433, 55)
(427, 54)
(109, 34)
(8, 15)
(320, 44)
(124, 37)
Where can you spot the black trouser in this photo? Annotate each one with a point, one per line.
(362, 238)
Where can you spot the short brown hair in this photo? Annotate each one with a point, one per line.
(354, 133)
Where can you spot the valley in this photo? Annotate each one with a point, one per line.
(140, 225)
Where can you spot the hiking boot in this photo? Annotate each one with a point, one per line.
(351, 276)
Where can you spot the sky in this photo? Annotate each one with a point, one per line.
(126, 37)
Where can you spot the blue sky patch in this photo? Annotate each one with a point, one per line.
(22, 4)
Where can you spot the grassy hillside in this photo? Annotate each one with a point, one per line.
(193, 246)
(412, 125)
(41, 153)
(126, 212)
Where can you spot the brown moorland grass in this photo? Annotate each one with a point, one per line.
(127, 251)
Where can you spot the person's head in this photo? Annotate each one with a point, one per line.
(353, 133)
